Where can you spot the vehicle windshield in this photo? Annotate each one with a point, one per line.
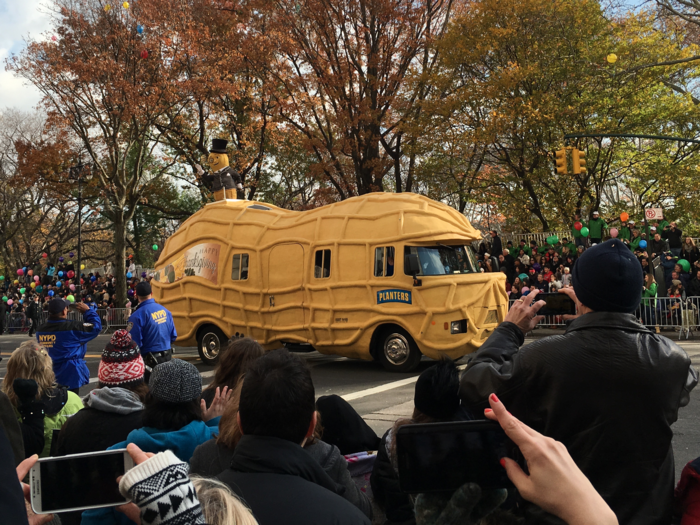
(443, 259)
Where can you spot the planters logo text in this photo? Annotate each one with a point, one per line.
(393, 296)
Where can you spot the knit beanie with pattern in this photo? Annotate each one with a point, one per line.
(176, 381)
(122, 364)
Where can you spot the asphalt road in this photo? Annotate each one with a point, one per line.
(381, 397)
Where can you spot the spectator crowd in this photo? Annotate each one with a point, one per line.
(26, 295)
(548, 267)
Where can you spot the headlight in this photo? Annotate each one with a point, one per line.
(458, 327)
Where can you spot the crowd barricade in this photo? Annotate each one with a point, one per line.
(659, 314)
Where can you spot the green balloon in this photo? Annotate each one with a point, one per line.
(555, 239)
(684, 264)
(71, 299)
(584, 231)
(39, 288)
(22, 290)
(4, 298)
(2, 277)
(522, 276)
(155, 247)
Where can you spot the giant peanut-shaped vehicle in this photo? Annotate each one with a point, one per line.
(382, 276)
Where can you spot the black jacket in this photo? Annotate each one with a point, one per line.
(12, 503)
(609, 389)
(281, 483)
(674, 237)
(90, 430)
(397, 505)
(693, 289)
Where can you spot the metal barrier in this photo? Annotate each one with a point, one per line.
(661, 313)
(112, 319)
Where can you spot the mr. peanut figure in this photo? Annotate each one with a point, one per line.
(224, 181)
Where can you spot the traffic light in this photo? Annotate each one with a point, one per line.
(561, 161)
(579, 158)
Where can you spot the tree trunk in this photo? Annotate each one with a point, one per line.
(120, 257)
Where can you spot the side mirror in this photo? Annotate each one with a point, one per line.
(412, 267)
(412, 264)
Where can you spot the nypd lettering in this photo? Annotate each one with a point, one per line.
(47, 341)
(394, 296)
(160, 316)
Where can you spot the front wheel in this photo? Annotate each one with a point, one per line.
(210, 341)
(398, 351)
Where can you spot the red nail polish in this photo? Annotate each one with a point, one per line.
(494, 398)
(487, 410)
(503, 462)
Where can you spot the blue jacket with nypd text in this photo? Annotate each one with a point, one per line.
(151, 327)
(66, 342)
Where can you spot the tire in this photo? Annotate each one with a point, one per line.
(210, 341)
(397, 350)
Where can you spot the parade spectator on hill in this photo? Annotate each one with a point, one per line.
(689, 251)
(545, 385)
(596, 228)
(540, 284)
(657, 245)
(694, 285)
(30, 378)
(66, 342)
(674, 236)
(276, 415)
(496, 246)
(635, 239)
(624, 233)
(649, 302)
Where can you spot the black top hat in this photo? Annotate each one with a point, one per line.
(218, 146)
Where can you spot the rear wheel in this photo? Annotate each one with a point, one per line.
(210, 341)
(397, 350)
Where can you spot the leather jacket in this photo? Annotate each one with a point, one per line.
(609, 389)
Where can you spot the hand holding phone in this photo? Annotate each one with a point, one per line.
(22, 471)
(553, 481)
(78, 481)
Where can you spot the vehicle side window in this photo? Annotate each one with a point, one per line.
(322, 265)
(239, 268)
(384, 261)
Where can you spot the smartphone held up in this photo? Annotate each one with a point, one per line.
(441, 457)
(78, 481)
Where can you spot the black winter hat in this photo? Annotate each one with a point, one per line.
(143, 289)
(608, 278)
(437, 390)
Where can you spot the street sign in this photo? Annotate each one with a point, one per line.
(654, 214)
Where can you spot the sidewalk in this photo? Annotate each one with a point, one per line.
(383, 420)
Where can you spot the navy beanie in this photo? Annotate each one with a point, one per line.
(608, 278)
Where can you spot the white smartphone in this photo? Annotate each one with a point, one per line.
(78, 481)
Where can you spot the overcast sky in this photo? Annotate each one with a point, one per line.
(18, 20)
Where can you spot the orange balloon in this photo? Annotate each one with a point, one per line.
(624, 216)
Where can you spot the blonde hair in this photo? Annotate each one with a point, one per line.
(219, 505)
(29, 361)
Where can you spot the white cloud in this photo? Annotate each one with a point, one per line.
(19, 20)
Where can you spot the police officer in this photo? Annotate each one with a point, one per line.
(66, 342)
(151, 327)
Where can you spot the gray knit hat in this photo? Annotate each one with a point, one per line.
(176, 381)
